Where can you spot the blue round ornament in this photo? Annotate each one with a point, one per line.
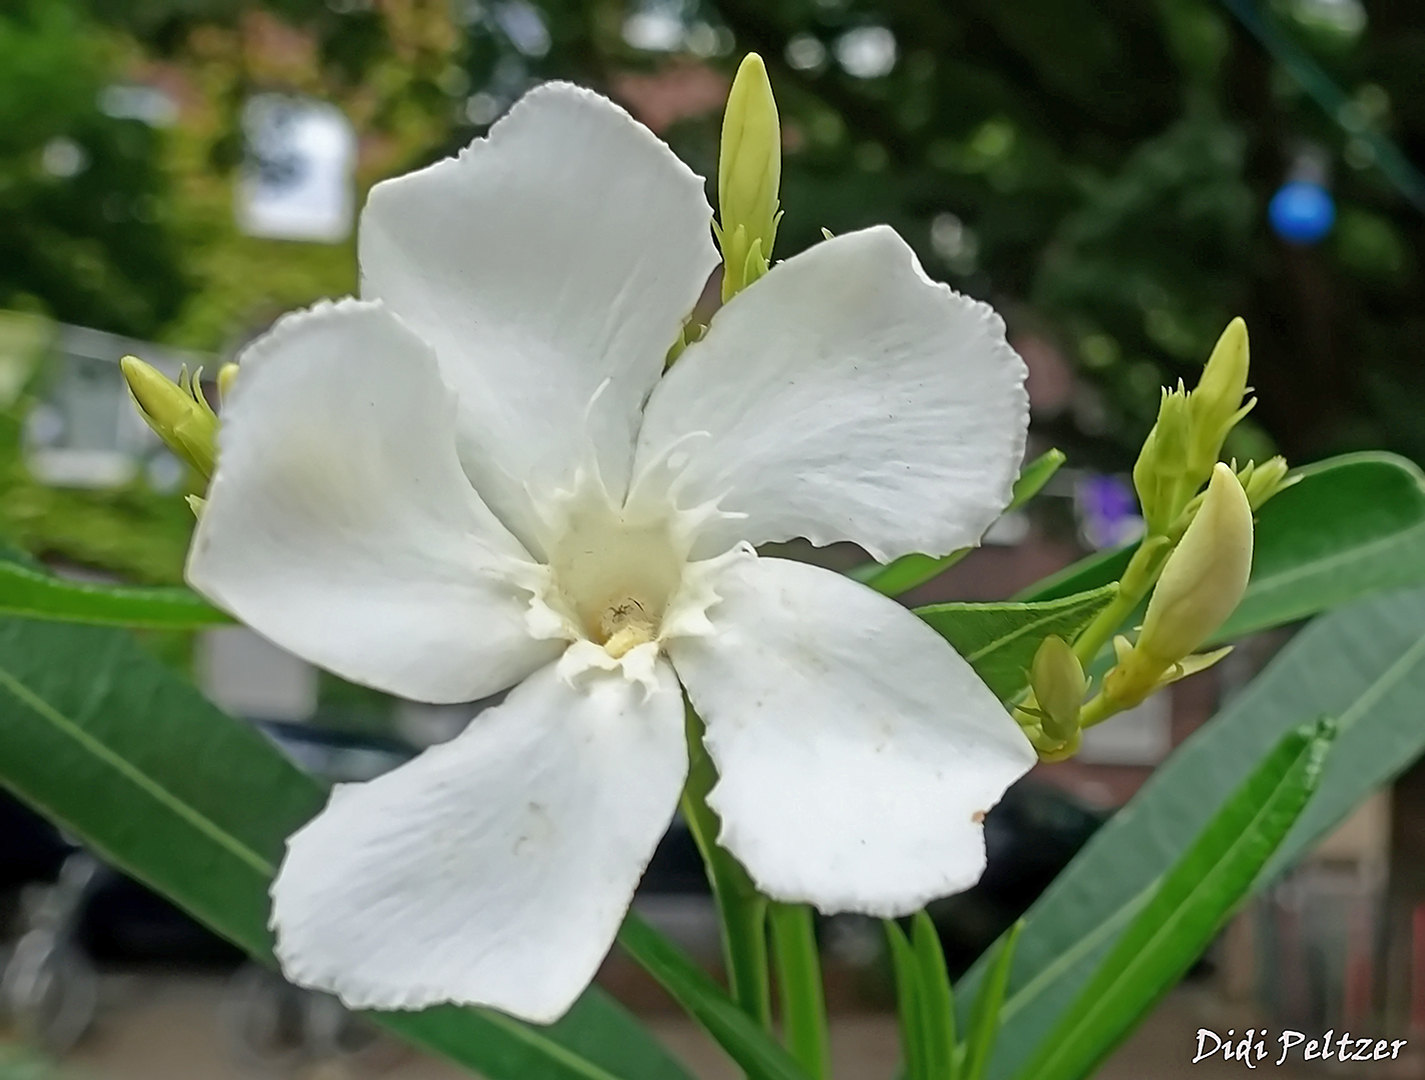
(1302, 212)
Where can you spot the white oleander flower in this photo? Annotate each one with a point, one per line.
(478, 476)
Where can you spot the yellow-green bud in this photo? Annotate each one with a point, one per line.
(227, 375)
(1057, 679)
(177, 413)
(1263, 481)
(1136, 676)
(1205, 576)
(1201, 584)
(1216, 404)
(749, 174)
(1158, 475)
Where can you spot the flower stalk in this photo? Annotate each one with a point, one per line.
(741, 909)
(799, 988)
(1200, 586)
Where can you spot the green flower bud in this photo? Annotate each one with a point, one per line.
(749, 175)
(177, 413)
(1263, 481)
(1057, 679)
(1216, 404)
(1201, 584)
(1205, 576)
(1161, 470)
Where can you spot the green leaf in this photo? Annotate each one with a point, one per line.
(1187, 909)
(1353, 525)
(910, 1004)
(905, 573)
(736, 1032)
(985, 1014)
(130, 758)
(37, 594)
(800, 992)
(999, 640)
(1034, 476)
(1364, 664)
(936, 997)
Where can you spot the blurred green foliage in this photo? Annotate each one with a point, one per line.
(17, 1063)
(83, 196)
(131, 530)
(1099, 169)
(127, 226)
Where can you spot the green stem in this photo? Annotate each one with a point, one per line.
(1098, 709)
(799, 988)
(1143, 569)
(741, 909)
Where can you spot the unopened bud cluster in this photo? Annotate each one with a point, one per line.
(1201, 584)
(1196, 556)
(1185, 443)
(178, 413)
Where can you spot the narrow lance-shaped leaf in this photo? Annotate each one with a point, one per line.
(801, 996)
(985, 1013)
(1187, 909)
(910, 1004)
(34, 593)
(937, 998)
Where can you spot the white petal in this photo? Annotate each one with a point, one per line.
(339, 523)
(857, 752)
(848, 397)
(563, 250)
(494, 869)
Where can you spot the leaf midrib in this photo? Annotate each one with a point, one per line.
(1081, 948)
(138, 777)
(999, 643)
(1051, 615)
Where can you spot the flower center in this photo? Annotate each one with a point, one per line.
(616, 569)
